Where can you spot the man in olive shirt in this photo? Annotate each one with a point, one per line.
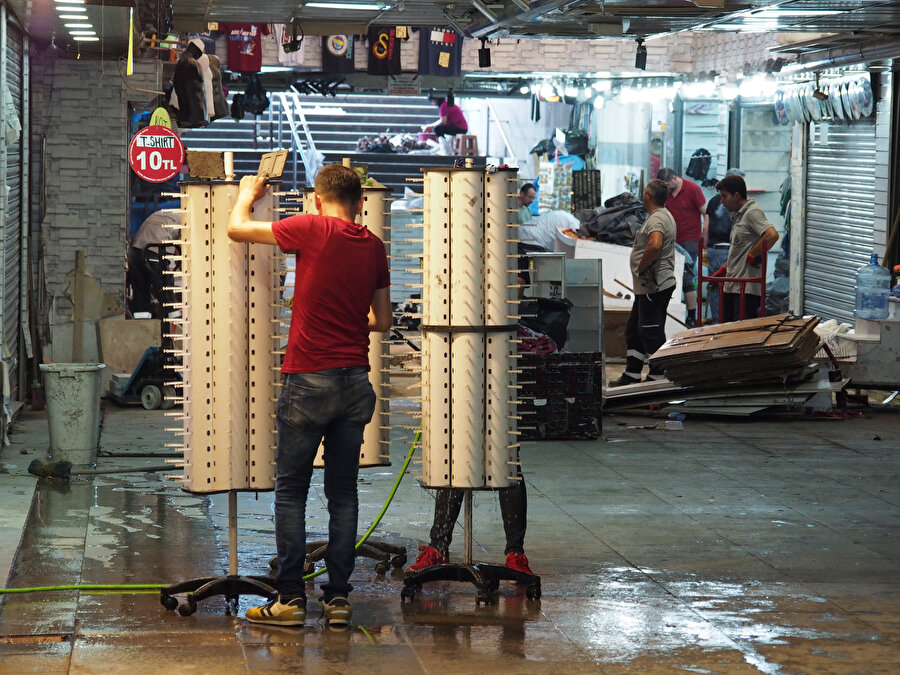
(653, 275)
(751, 236)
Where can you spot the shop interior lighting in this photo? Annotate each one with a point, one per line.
(484, 10)
(80, 24)
(85, 38)
(73, 17)
(599, 102)
(524, 89)
(69, 2)
(602, 85)
(82, 33)
(360, 6)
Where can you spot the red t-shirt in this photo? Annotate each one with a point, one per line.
(339, 266)
(244, 46)
(685, 209)
(454, 115)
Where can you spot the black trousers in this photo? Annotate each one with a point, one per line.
(513, 511)
(448, 130)
(733, 306)
(645, 331)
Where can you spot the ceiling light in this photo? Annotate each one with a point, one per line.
(71, 8)
(82, 24)
(524, 89)
(85, 38)
(484, 10)
(82, 32)
(69, 2)
(73, 17)
(361, 6)
(602, 85)
(599, 102)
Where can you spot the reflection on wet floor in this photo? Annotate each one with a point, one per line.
(656, 554)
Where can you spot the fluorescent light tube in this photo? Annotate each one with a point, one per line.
(361, 6)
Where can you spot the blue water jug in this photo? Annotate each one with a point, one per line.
(873, 284)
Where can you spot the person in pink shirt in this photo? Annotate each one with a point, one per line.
(452, 120)
(687, 204)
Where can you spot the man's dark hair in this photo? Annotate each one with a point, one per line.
(733, 184)
(665, 174)
(339, 183)
(526, 187)
(659, 192)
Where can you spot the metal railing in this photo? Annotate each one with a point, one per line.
(291, 111)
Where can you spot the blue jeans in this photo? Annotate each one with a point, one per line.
(715, 258)
(335, 404)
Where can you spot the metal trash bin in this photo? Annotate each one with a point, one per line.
(72, 391)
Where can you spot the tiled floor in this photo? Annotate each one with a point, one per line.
(768, 545)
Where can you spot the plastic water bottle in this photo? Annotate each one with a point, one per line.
(873, 284)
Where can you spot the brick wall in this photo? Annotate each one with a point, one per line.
(80, 108)
(681, 53)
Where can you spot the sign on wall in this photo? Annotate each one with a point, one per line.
(156, 154)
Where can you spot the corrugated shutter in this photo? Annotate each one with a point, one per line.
(12, 231)
(840, 216)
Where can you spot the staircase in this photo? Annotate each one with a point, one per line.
(335, 125)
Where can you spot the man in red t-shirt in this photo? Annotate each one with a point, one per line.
(687, 205)
(341, 294)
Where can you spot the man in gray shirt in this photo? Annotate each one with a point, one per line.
(653, 275)
(751, 236)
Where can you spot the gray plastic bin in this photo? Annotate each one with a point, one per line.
(72, 391)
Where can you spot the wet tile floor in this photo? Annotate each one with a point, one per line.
(763, 546)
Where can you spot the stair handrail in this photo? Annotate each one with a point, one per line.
(305, 145)
(493, 113)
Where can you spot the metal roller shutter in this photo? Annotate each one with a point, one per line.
(12, 224)
(840, 216)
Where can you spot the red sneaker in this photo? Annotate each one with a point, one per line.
(429, 556)
(518, 562)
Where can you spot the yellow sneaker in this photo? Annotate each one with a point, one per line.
(276, 613)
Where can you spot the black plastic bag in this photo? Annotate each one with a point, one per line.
(255, 99)
(548, 316)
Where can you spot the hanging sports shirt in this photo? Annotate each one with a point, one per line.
(384, 51)
(440, 52)
(244, 46)
(337, 54)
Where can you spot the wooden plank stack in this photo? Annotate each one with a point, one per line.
(769, 349)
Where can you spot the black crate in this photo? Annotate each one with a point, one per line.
(560, 394)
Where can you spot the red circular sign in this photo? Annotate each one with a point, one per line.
(156, 154)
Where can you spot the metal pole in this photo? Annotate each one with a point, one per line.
(467, 527)
(232, 533)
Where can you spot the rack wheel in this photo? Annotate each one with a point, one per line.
(485, 597)
(533, 591)
(399, 560)
(169, 602)
(188, 607)
(151, 397)
(408, 593)
(168, 398)
(381, 568)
